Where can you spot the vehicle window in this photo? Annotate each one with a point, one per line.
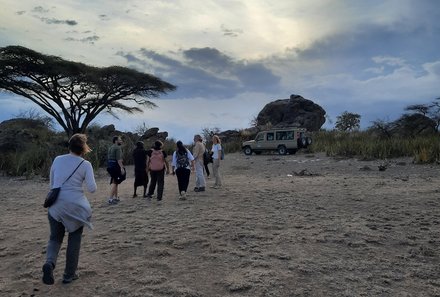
(290, 135)
(270, 136)
(260, 137)
(281, 135)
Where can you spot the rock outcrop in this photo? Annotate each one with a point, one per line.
(153, 134)
(296, 111)
(17, 134)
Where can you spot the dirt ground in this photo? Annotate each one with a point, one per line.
(300, 225)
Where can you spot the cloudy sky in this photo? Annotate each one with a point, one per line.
(230, 58)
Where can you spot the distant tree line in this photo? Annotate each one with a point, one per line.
(419, 119)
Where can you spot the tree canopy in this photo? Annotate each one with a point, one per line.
(74, 93)
(348, 121)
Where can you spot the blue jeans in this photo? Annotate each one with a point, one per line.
(57, 231)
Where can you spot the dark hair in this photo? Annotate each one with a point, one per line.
(197, 137)
(139, 145)
(180, 148)
(158, 145)
(78, 144)
(115, 138)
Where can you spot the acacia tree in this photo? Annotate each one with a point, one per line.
(74, 93)
(431, 110)
(348, 121)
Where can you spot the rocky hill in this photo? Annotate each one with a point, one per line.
(295, 111)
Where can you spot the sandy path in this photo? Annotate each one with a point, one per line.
(337, 230)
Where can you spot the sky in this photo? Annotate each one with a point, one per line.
(230, 58)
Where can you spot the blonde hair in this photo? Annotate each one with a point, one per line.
(78, 144)
(217, 139)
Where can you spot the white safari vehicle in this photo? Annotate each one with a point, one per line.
(282, 140)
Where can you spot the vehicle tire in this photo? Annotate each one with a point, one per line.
(292, 151)
(257, 153)
(247, 150)
(302, 142)
(282, 150)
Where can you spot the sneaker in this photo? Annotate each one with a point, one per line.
(149, 196)
(48, 274)
(196, 189)
(68, 280)
(201, 189)
(112, 201)
(182, 195)
(117, 199)
(216, 187)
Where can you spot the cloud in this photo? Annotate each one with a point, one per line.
(231, 32)
(89, 39)
(104, 17)
(40, 9)
(56, 21)
(205, 72)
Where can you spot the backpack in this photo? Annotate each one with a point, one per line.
(157, 161)
(182, 160)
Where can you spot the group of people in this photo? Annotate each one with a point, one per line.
(72, 211)
(150, 167)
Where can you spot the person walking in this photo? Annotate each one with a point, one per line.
(158, 166)
(115, 168)
(207, 158)
(198, 153)
(141, 159)
(182, 163)
(216, 156)
(71, 211)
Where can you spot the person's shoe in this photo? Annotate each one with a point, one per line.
(201, 189)
(69, 279)
(182, 195)
(134, 195)
(196, 189)
(117, 199)
(48, 274)
(112, 201)
(148, 196)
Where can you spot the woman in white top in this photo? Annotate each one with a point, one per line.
(71, 211)
(216, 156)
(182, 163)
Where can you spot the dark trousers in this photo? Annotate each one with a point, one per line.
(206, 169)
(57, 231)
(183, 178)
(157, 177)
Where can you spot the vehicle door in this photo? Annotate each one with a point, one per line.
(270, 143)
(260, 140)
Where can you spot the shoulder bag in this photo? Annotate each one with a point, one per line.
(53, 193)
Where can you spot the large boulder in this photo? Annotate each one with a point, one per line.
(295, 111)
(414, 125)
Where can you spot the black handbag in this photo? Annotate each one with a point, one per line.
(53, 193)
